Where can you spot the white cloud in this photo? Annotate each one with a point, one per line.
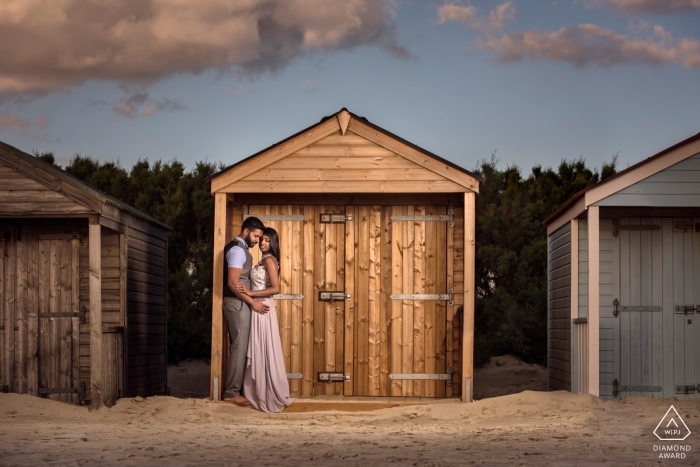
(48, 45)
(650, 6)
(469, 16)
(590, 45)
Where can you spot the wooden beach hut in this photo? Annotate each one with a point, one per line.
(377, 268)
(82, 288)
(624, 281)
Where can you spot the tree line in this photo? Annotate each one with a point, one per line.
(511, 245)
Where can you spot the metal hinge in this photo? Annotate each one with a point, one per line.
(288, 296)
(335, 218)
(449, 296)
(333, 296)
(274, 217)
(294, 375)
(685, 309)
(449, 218)
(80, 391)
(616, 388)
(75, 314)
(617, 227)
(617, 308)
(685, 389)
(425, 376)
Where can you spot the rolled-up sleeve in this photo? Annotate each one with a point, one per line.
(235, 258)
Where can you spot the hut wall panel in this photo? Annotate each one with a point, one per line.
(22, 195)
(146, 339)
(559, 308)
(678, 186)
(607, 322)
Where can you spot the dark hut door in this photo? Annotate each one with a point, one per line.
(59, 316)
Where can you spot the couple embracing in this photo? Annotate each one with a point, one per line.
(256, 374)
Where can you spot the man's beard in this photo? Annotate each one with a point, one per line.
(247, 240)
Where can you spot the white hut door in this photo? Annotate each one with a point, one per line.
(59, 315)
(639, 307)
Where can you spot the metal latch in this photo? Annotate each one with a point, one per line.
(683, 227)
(294, 375)
(616, 387)
(333, 296)
(684, 309)
(685, 389)
(335, 218)
(333, 377)
(617, 308)
(449, 296)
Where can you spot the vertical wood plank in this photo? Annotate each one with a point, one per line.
(679, 320)
(418, 305)
(396, 305)
(635, 300)
(319, 307)
(340, 306)
(645, 300)
(221, 224)
(594, 300)
(75, 322)
(297, 305)
(10, 308)
(33, 310)
(688, 296)
(66, 324)
(21, 313)
(330, 307)
(364, 381)
(667, 310)
(430, 306)
(657, 300)
(625, 318)
(616, 279)
(408, 231)
(441, 305)
(469, 297)
(308, 336)
(449, 325)
(44, 307)
(285, 317)
(349, 335)
(54, 352)
(386, 311)
(3, 305)
(695, 292)
(374, 297)
(95, 261)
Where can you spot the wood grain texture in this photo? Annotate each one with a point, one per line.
(469, 295)
(349, 335)
(309, 289)
(396, 305)
(217, 326)
(95, 255)
(374, 275)
(297, 258)
(344, 186)
(419, 252)
(386, 308)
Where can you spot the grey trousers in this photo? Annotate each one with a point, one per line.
(237, 313)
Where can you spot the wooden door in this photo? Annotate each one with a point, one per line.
(312, 260)
(7, 309)
(640, 307)
(58, 307)
(401, 336)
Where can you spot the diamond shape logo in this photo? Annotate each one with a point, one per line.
(672, 427)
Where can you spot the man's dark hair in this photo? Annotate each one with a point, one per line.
(252, 223)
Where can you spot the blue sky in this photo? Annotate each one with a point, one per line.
(534, 81)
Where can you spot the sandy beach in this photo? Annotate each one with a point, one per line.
(528, 428)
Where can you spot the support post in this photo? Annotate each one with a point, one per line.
(217, 313)
(576, 387)
(593, 300)
(95, 267)
(469, 296)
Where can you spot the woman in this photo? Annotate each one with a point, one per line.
(265, 382)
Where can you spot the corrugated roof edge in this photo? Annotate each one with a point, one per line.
(367, 122)
(578, 195)
(86, 187)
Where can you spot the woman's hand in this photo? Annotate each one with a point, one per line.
(240, 288)
(260, 307)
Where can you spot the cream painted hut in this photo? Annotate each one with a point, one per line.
(377, 240)
(624, 281)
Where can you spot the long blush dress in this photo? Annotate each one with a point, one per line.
(265, 382)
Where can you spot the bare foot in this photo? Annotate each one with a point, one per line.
(239, 400)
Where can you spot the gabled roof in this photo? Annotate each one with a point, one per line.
(344, 118)
(75, 183)
(626, 177)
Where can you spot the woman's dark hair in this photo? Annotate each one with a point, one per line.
(274, 242)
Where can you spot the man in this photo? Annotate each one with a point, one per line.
(237, 308)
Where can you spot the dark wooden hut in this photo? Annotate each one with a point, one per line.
(82, 288)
